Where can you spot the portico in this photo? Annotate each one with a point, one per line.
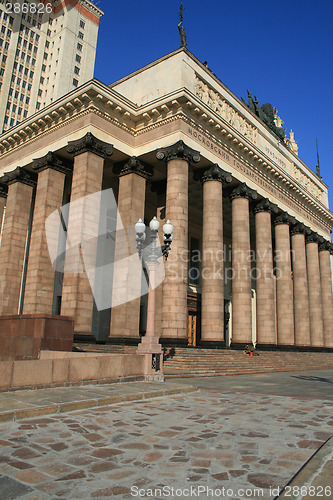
(251, 220)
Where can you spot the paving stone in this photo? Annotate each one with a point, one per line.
(10, 488)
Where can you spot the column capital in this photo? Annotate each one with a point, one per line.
(133, 166)
(90, 143)
(243, 191)
(22, 175)
(300, 228)
(3, 190)
(179, 150)
(325, 246)
(313, 238)
(50, 160)
(266, 205)
(213, 173)
(284, 218)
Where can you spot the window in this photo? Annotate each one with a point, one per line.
(14, 108)
(48, 32)
(20, 111)
(43, 67)
(16, 94)
(27, 100)
(40, 92)
(25, 113)
(12, 122)
(41, 80)
(31, 74)
(79, 47)
(75, 82)
(47, 44)
(6, 45)
(38, 105)
(4, 59)
(81, 35)
(82, 24)
(2, 72)
(21, 97)
(78, 58)
(76, 70)
(9, 33)
(11, 20)
(20, 68)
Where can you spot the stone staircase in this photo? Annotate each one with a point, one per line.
(197, 362)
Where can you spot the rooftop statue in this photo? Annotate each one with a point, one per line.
(266, 114)
(181, 28)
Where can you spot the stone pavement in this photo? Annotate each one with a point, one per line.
(237, 437)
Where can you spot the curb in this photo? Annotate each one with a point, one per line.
(316, 472)
(56, 408)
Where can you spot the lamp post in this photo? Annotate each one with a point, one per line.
(150, 342)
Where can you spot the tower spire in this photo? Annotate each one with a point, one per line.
(183, 42)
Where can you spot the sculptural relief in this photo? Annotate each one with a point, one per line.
(216, 102)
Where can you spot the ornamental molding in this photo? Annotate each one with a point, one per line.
(50, 160)
(133, 166)
(325, 246)
(243, 191)
(266, 205)
(213, 173)
(21, 175)
(216, 102)
(284, 218)
(178, 151)
(3, 191)
(313, 238)
(90, 144)
(301, 228)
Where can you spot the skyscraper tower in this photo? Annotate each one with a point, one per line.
(46, 50)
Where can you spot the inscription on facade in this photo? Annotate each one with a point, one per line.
(265, 184)
(275, 157)
(218, 104)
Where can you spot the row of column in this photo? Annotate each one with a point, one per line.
(294, 297)
(291, 309)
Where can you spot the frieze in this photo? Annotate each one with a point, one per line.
(217, 103)
(256, 176)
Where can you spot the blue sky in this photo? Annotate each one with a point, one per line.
(281, 51)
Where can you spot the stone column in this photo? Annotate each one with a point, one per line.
(212, 297)
(241, 264)
(284, 282)
(265, 281)
(39, 287)
(315, 298)
(3, 197)
(14, 238)
(127, 274)
(301, 293)
(174, 310)
(326, 291)
(77, 296)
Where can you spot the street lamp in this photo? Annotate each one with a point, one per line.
(150, 342)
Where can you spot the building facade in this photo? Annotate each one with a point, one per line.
(250, 259)
(46, 50)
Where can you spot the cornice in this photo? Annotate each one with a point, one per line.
(94, 97)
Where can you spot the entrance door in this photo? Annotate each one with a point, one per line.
(192, 328)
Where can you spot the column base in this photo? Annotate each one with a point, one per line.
(149, 345)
